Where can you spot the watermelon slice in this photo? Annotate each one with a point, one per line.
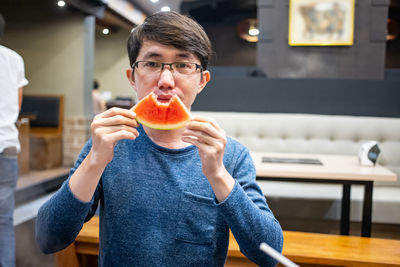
(161, 116)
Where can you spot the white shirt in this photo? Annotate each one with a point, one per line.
(12, 77)
(98, 102)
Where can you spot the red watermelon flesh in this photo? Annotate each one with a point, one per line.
(161, 116)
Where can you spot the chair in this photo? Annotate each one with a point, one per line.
(46, 113)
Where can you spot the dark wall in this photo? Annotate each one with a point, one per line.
(393, 43)
(393, 53)
(220, 20)
(314, 96)
(365, 59)
(334, 80)
(229, 49)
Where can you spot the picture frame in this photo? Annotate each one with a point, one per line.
(321, 22)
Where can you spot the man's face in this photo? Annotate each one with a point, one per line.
(167, 83)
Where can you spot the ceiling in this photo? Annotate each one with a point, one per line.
(202, 10)
(149, 8)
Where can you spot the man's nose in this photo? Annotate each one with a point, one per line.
(166, 80)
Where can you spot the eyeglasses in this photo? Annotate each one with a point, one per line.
(150, 67)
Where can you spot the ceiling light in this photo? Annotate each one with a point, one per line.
(61, 3)
(165, 8)
(247, 30)
(253, 31)
(154, 1)
(106, 31)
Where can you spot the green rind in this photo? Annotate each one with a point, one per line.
(162, 127)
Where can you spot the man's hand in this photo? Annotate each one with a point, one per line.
(107, 129)
(210, 139)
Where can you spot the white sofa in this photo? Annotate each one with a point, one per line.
(321, 134)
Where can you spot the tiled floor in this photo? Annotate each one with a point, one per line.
(34, 177)
(33, 190)
(27, 252)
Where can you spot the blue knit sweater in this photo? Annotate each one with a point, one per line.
(158, 209)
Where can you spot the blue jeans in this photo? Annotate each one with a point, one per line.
(8, 181)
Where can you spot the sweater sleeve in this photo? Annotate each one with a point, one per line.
(60, 219)
(248, 215)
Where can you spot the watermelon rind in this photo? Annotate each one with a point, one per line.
(162, 127)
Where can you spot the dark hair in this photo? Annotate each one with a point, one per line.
(2, 24)
(95, 85)
(174, 29)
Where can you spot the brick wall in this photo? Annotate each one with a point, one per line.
(76, 133)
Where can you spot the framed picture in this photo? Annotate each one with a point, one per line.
(321, 22)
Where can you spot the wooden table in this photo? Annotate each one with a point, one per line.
(338, 169)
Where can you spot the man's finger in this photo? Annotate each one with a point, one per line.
(200, 136)
(209, 120)
(117, 111)
(117, 120)
(204, 127)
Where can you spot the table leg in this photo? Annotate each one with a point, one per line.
(345, 217)
(367, 210)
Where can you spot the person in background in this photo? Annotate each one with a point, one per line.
(12, 80)
(167, 197)
(98, 103)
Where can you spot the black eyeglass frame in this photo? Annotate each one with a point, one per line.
(198, 66)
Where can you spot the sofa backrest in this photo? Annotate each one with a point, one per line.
(46, 113)
(309, 133)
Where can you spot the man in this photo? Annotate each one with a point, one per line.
(98, 103)
(167, 198)
(12, 80)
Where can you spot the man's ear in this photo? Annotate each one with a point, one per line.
(205, 79)
(131, 77)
